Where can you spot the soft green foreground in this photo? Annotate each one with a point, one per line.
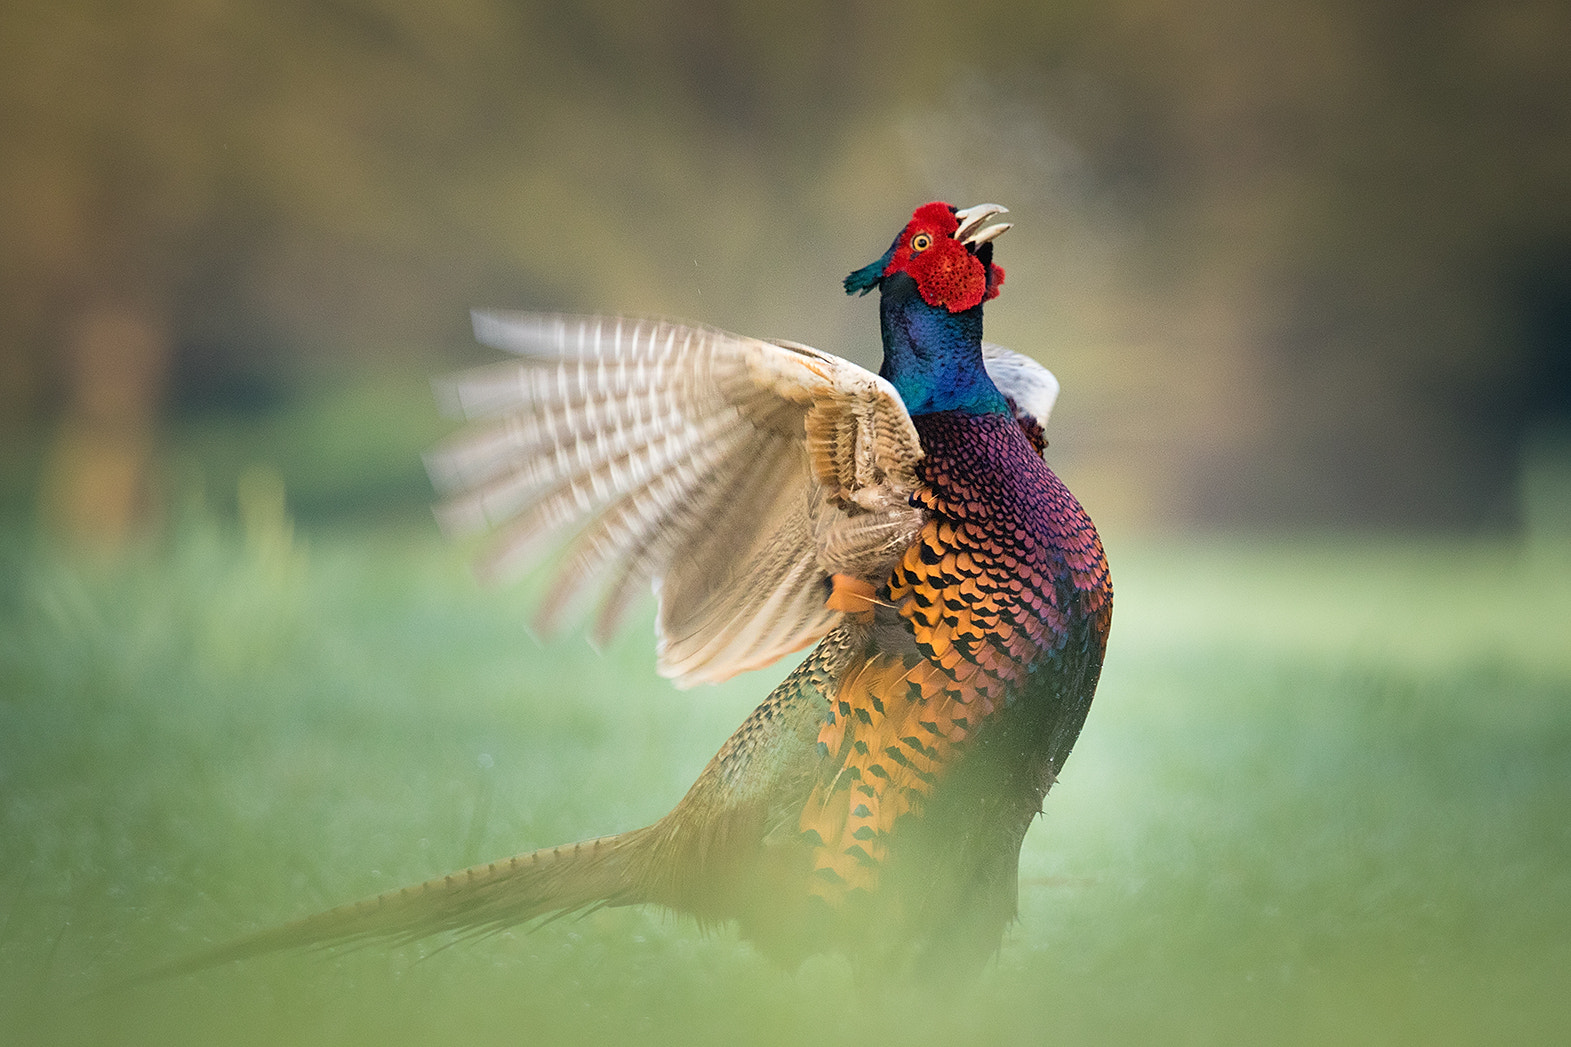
(1324, 796)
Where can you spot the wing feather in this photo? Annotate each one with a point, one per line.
(730, 473)
(1032, 387)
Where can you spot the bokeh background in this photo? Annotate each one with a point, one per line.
(1303, 266)
(1304, 272)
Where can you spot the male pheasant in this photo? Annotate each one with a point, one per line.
(778, 496)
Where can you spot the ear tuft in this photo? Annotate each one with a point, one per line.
(866, 278)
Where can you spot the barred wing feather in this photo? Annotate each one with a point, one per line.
(734, 474)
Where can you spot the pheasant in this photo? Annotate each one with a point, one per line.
(777, 496)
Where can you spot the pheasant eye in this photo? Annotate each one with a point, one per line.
(921, 242)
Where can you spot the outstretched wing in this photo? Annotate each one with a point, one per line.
(735, 474)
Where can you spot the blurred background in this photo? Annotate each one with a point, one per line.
(1304, 271)
(1303, 266)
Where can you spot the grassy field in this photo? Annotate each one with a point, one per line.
(1324, 796)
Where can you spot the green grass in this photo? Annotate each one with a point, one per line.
(1324, 796)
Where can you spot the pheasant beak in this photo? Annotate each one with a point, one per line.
(971, 233)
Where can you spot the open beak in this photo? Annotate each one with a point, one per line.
(971, 233)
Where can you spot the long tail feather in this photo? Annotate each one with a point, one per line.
(552, 881)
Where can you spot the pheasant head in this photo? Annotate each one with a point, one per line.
(948, 254)
(932, 282)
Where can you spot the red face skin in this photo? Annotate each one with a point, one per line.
(946, 273)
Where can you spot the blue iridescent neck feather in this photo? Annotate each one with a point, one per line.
(933, 357)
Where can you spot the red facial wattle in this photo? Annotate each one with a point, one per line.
(945, 271)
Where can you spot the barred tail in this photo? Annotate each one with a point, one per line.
(552, 881)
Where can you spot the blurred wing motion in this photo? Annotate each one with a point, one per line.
(737, 475)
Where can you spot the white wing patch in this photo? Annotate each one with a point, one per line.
(1032, 387)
